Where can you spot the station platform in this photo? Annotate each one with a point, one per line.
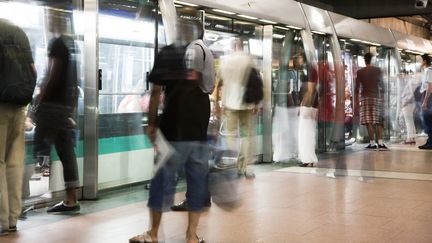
(353, 196)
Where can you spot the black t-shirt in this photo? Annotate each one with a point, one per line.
(186, 108)
(62, 90)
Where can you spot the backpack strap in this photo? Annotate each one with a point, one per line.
(202, 48)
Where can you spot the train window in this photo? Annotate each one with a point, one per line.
(218, 23)
(125, 55)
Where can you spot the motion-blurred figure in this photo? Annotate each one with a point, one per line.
(308, 114)
(17, 83)
(56, 110)
(426, 103)
(371, 88)
(184, 124)
(408, 106)
(238, 115)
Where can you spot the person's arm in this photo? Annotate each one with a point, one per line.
(218, 97)
(356, 96)
(54, 72)
(153, 111)
(427, 96)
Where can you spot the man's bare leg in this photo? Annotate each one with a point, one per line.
(371, 132)
(191, 235)
(155, 219)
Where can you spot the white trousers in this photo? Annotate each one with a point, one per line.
(408, 113)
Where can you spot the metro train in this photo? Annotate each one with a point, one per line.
(118, 41)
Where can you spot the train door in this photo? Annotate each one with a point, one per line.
(326, 91)
(128, 38)
(384, 58)
(289, 71)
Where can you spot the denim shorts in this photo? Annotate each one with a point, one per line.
(193, 157)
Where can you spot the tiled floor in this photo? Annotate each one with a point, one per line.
(278, 206)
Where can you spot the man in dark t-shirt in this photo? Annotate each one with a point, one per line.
(183, 123)
(369, 96)
(55, 122)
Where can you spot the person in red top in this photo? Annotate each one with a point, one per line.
(371, 88)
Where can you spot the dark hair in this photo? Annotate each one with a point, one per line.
(426, 58)
(368, 58)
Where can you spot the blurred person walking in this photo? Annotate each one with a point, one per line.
(408, 105)
(426, 102)
(183, 123)
(235, 71)
(55, 112)
(17, 83)
(370, 86)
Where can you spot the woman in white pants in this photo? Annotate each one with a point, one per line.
(408, 106)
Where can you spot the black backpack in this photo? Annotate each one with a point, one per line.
(254, 88)
(17, 78)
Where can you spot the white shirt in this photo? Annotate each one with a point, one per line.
(426, 79)
(234, 72)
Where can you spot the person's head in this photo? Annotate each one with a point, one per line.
(187, 31)
(368, 58)
(426, 60)
(299, 60)
(57, 23)
(237, 44)
(347, 94)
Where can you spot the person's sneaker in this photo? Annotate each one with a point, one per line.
(249, 175)
(425, 146)
(12, 229)
(382, 147)
(62, 208)
(370, 146)
(4, 232)
(180, 207)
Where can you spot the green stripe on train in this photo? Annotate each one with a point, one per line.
(106, 146)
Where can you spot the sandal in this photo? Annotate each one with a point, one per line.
(46, 171)
(200, 239)
(142, 238)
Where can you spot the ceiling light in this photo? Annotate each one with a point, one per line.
(216, 17)
(187, 4)
(278, 36)
(293, 27)
(246, 16)
(318, 32)
(223, 11)
(282, 28)
(267, 21)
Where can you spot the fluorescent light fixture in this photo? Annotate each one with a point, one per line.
(186, 4)
(223, 11)
(278, 36)
(356, 40)
(280, 27)
(293, 27)
(216, 17)
(318, 32)
(178, 6)
(267, 21)
(246, 16)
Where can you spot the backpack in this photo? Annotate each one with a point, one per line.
(254, 92)
(17, 78)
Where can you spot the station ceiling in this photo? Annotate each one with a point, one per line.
(364, 9)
